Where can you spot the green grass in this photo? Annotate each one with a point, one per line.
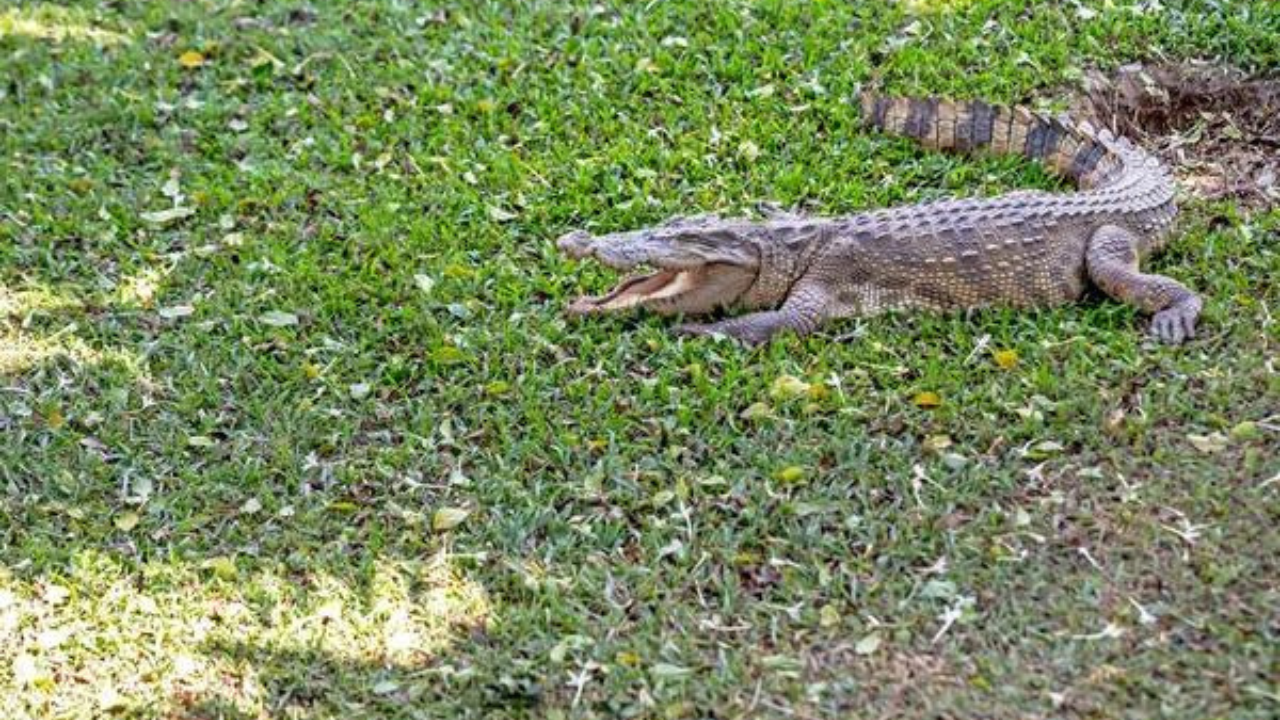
(210, 510)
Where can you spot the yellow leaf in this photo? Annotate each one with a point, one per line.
(756, 411)
(926, 400)
(1209, 444)
(1006, 359)
(789, 474)
(829, 616)
(627, 658)
(191, 59)
(788, 386)
(1244, 431)
(936, 443)
(54, 419)
(448, 518)
(448, 355)
(127, 521)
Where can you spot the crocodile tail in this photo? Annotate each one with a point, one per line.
(1075, 150)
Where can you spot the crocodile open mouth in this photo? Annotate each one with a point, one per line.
(637, 290)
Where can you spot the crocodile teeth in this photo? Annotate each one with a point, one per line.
(634, 291)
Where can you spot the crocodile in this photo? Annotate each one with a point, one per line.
(1023, 249)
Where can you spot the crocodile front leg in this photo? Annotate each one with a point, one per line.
(803, 310)
(1112, 260)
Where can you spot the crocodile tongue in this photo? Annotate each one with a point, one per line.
(635, 290)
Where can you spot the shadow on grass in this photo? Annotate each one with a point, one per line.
(313, 683)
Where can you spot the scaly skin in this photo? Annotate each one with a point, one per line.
(1022, 249)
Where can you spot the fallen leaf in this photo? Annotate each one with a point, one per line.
(175, 312)
(200, 441)
(359, 391)
(787, 387)
(448, 355)
(277, 318)
(789, 474)
(829, 616)
(448, 518)
(926, 400)
(164, 217)
(251, 506)
(1208, 444)
(191, 59)
(385, 687)
(868, 644)
(938, 589)
(424, 283)
(497, 214)
(667, 671)
(127, 521)
(626, 658)
(1246, 431)
(1044, 449)
(936, 443)
(756, 411)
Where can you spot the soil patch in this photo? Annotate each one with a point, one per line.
(1218, 128)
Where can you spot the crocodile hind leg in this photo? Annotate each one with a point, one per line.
(1112, 261)
(800, 313)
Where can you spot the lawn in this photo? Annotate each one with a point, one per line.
(292, 423)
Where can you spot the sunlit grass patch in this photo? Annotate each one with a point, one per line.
(44, 21)
(16, 304)
(21, 351)
(93, 641)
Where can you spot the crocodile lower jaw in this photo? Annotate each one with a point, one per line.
(635, 291)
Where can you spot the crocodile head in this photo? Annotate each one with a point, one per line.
(695, 265)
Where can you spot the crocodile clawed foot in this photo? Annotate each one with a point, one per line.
(1174, 325)
(744, 334)
(694, 330)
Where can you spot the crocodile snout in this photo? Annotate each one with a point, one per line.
(576, 244)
